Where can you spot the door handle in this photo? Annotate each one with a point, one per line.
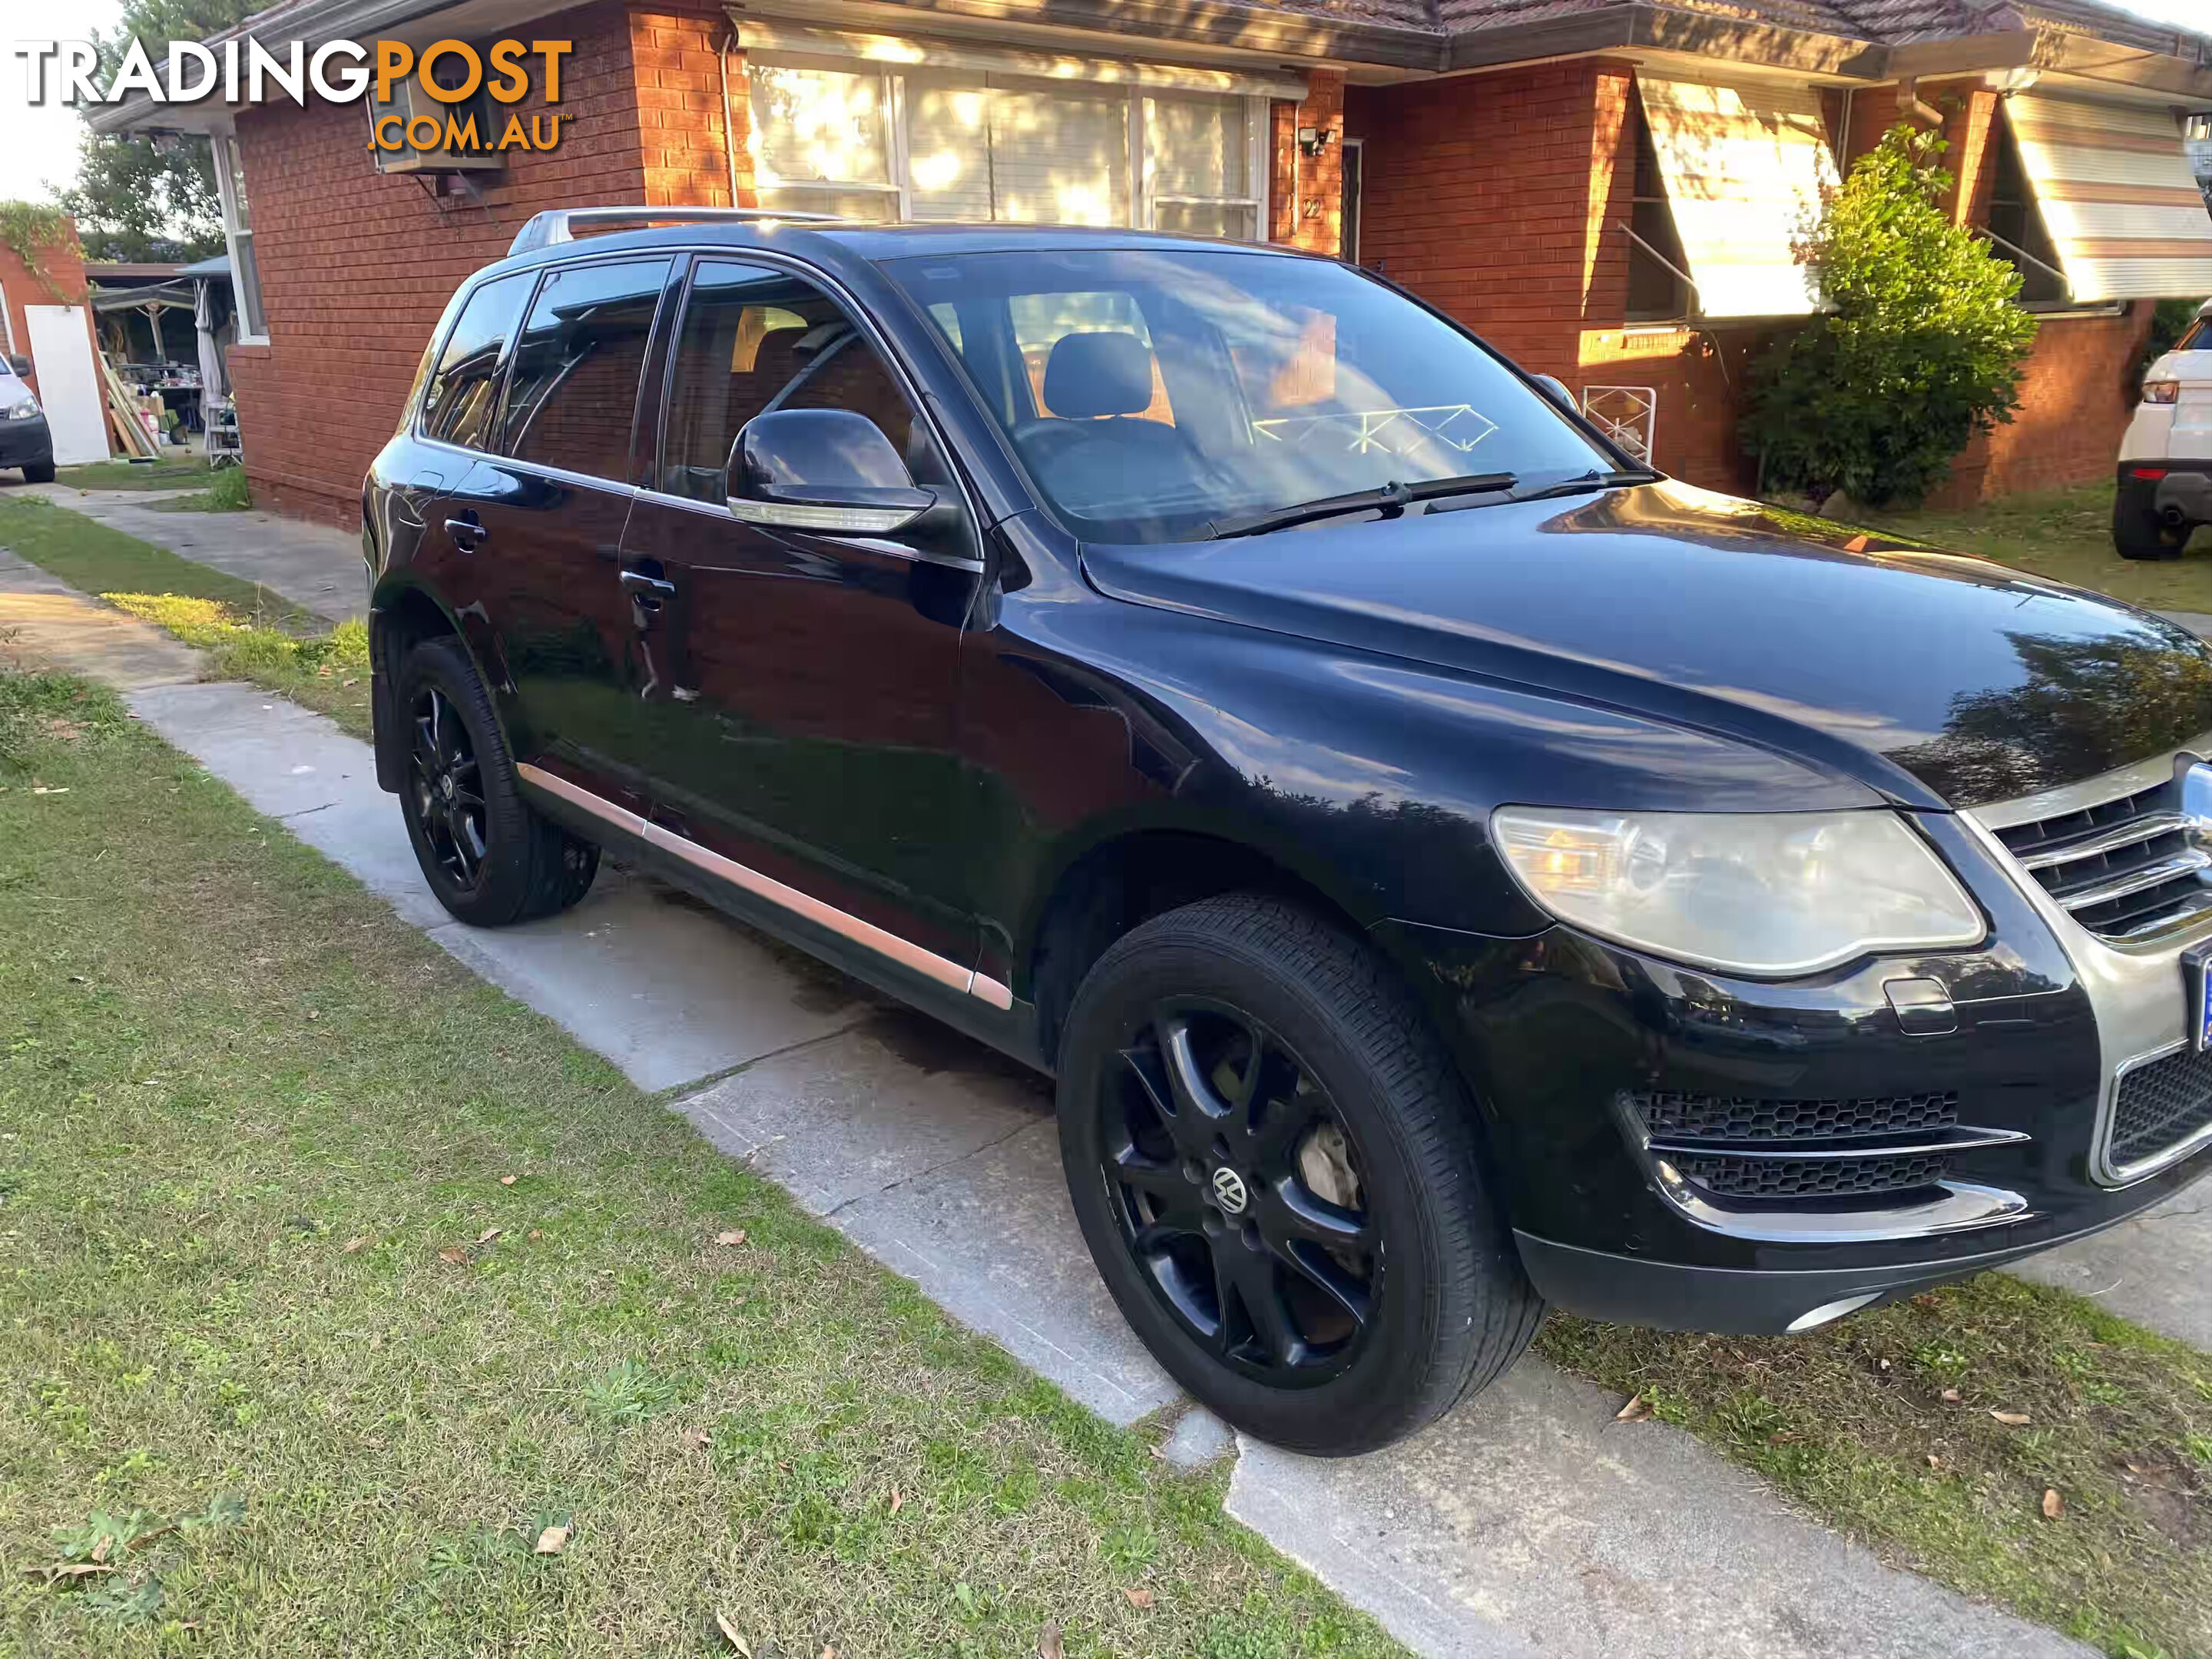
(467, 533)
(648, 587)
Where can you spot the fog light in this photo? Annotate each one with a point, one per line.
(1828, 1310)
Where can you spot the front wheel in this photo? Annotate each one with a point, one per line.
(1275, 1168)
(41, 473)
(490, 859)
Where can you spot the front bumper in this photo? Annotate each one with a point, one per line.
(26, 443)
(1680, 1149)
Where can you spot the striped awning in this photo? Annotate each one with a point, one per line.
(2116, 196)
(1744, 167)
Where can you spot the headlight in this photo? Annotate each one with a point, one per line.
(2162, 392)
(21, 412)
(1773, 895)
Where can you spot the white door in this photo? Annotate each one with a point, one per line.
(69, 388)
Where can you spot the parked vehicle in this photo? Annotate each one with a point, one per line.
(24, 441)
(1448, 868)
(2166, 459)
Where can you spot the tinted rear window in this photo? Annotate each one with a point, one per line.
(465, 383)
(572, 395)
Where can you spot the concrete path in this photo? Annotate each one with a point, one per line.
(313, 566)
(45, 621)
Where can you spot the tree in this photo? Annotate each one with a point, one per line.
(141, 197)
(1919, 347)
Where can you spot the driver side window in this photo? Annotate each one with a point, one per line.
(755, 339)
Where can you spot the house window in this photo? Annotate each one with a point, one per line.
(238, 232)
(2017, 228)
(1656, 294)
(961, 144)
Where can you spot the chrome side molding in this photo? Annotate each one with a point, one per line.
(905, 952)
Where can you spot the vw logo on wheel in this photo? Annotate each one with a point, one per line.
(1229, 1189)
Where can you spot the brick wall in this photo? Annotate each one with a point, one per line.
(1305, 194)
(356, 265)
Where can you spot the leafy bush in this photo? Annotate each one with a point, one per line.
(1919, 349)
(228, 492)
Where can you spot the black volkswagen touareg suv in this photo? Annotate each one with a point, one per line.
(1447, 868)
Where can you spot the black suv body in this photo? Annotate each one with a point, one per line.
(1521, 880)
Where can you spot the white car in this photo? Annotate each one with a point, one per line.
(2165, 459)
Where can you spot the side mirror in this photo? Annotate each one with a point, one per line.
(822, 469)
(18, 366)
(1558, 388)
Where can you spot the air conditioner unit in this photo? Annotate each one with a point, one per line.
(409, 102)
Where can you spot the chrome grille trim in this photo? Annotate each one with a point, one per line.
(2149, 827)
(2133, 980)
(2140, 881)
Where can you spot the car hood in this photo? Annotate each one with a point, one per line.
(1939, 680)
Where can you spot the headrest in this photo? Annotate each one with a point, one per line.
(1104, 373)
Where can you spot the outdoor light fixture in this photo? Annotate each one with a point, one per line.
(1314, 139)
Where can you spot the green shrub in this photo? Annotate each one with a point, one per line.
(1919, 347)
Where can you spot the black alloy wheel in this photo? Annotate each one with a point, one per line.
(1237, 1191)
(487, 855)
(1278, 1171)
(446, 790)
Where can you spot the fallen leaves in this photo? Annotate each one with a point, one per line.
(354, 1245)
(1138, 1597)
(1635, 1410)
(695, 1439)
(1049, 1646)
(552, 1541)
(2053, 1504)
(453, 1256)
(733, 1237)
(489, 1234)
(65, 1572)
(730, 1635)
(1952, 1396)
(2012, 1419)
(898, 1500)
(507, 1181)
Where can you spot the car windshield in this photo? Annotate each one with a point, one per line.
(1156, 394)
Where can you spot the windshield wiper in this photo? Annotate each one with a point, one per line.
(1392, 499)
(1577, 486)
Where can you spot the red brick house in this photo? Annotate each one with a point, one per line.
(1607, 189)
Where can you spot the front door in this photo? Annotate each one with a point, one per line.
(537, 523)
(807, 728)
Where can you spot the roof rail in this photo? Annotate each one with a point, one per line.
(558, 225)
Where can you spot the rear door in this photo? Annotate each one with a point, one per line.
(539, 523)
(807, 732)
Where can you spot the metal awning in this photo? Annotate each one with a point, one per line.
(2113, 186)
(1745, 167)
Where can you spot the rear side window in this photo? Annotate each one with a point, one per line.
(465, 383)
(573, 392)
(2198, 336)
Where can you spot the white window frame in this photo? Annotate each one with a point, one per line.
(7, 325)
(226, 151)
(1134, 89)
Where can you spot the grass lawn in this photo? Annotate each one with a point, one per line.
(2066, 535)
(334, 1279)
(249, 632)
(227, 492)
(179, 473)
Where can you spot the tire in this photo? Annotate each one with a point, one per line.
(43, 473)
(2138, 534)
(490, 860)
(1364, 1137)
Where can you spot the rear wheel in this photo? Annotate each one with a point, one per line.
(2137, 533)
(490, 859)
(42, 473)
(1274, 1166)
